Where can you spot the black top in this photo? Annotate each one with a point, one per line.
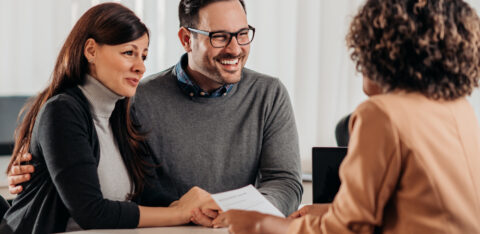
(341, 131)
(65, 150)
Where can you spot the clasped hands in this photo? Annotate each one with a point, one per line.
(248, 222)
(199, 207)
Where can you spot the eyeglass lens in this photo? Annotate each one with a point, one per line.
(221, 39)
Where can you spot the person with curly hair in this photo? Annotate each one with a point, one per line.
(413, 164)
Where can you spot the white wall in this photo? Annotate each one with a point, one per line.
(300, 41)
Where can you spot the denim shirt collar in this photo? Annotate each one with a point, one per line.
(191, 88)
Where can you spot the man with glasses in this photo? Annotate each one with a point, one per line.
(241, 122)
(213, 123)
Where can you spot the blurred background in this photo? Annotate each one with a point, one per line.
(302, 42)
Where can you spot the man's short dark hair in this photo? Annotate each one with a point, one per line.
(188, 11)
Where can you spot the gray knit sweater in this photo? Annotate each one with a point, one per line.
(245, 137)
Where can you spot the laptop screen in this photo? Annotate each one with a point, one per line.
(326, 181)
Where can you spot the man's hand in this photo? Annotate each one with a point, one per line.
(315, 209)
(251, 222)
(19, 174)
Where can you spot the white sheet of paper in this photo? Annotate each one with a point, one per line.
(246, 198)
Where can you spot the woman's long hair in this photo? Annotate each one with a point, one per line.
(110, 24)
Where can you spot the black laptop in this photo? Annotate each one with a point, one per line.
(326, 181)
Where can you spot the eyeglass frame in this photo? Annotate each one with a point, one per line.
(232, 34)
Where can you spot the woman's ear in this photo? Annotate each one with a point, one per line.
(185, 38)
(90, 50)
(370, 87)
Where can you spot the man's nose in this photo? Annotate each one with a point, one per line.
(233, 47)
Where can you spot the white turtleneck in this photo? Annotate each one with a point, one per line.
(112, 173)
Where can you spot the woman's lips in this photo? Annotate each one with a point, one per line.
(132, 81)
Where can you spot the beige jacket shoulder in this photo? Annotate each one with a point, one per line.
(413, 166)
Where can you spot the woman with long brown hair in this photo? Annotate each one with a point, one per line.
(92, 166)
(413, 161)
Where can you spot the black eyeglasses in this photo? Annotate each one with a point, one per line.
(220, 39)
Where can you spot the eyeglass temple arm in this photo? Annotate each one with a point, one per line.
(199, 31)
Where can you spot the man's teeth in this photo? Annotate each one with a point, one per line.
(230, 62)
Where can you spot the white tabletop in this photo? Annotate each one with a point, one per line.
(158, 230)
(307, 199)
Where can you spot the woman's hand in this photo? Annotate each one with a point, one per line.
(179, 212)
(315, 209)
(251, 222)
(19, 174)
(196, 199)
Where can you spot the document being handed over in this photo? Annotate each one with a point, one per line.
(246, 198)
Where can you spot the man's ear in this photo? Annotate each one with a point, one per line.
(90, 50)
(185, 38)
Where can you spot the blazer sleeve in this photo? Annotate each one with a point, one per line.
(369, 176)
(65, 139)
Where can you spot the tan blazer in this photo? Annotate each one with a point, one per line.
(413, 166)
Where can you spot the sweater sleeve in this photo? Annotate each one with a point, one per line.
(279, 169)
(66, 143)
(369, 176)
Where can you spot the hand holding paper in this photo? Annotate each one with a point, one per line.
(246, 198)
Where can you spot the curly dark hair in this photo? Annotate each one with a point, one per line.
(427, 46)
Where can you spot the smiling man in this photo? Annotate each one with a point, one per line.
(213, 123)
(217, 44)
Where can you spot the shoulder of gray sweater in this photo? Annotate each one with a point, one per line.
(156, 77)
(263, 81)
(260, 78)
(151, 83)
